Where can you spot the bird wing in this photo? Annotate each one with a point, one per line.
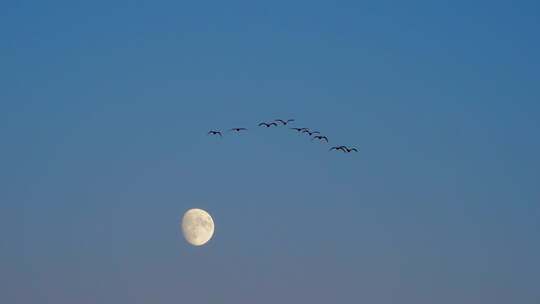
(273, 123)
(281, 121)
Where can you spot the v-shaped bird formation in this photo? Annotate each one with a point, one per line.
(315, 135)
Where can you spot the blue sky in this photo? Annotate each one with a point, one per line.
(105, 109)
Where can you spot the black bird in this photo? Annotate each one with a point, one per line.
(284, 122)
(212, 132)
(350, 149)
(319, 137)
(238, 129)
(268, 124)
(342, 148)
(311, 132)
(299, 129)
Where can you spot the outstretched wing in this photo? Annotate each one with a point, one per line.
(324, 137)
(272, 123)
(281, 121)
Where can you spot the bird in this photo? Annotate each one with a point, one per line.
(268, 124)
(311, 132)
(284, 122)
(342, 148)
(299, 129)
(350, 149)
(320, 137)
(212, 132)
(238, 129)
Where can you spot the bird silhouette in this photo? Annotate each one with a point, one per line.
(284, 122)
(341, 148)
(350, 149)
(213, 132)
(238, 129)
(299, 129)
(311, 132)
(268, 124)
(320, 138)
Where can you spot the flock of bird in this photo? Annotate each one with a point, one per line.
(280, 122)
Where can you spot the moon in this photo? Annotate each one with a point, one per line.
(197, 227)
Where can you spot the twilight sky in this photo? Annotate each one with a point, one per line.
(105, 107)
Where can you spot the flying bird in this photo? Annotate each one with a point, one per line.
(212, 132)
(320, 138)
(299, 129)
(341, 148)
(311, 132)
(350, 149)
(268, 124)
(238, 129)
(284, 122)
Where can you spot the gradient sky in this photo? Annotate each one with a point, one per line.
(105, 107)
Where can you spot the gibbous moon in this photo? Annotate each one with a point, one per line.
(197, 227)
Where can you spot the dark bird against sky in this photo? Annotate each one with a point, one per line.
(341, 148)
(284, 122)
(311, 132)
(213, 132)
(238, 129)
(320, 138)
(267, 124)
